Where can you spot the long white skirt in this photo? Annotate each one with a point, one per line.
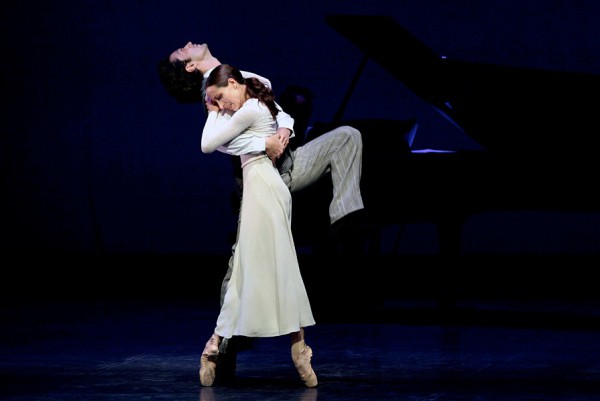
(265, 296)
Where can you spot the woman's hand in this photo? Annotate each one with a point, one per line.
(211, 105)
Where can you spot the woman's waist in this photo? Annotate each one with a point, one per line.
(247, 158)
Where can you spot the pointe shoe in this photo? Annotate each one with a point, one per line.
(208, 361)
(301, 355)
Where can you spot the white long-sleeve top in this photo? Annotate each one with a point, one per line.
(252, 121)
(250, 144)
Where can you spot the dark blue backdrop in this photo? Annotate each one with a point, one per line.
(97, 158)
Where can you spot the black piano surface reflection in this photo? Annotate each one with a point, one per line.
(538, 130)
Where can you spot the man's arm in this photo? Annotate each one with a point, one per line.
(262, 79)
(284, 120)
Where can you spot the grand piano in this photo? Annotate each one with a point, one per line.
(538, 131)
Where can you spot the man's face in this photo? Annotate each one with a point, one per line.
(190, 52)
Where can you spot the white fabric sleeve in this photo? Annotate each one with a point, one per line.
(218, 131)
(262, 79)
(252, 144)
(284, 120)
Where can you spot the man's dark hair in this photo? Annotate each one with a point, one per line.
(185, 87)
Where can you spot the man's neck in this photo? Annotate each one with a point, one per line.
(208, 64)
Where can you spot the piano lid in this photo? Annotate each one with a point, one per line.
(504, 108)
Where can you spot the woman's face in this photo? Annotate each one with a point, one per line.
(230, 97)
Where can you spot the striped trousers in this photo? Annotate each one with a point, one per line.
(338, 152)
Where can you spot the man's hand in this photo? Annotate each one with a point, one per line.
(275, 144)
(284, 134)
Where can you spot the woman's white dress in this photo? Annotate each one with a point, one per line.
(265, 296)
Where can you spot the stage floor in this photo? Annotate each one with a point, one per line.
(478, 332)
(149, 350)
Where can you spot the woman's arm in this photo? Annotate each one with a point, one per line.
(219, 130)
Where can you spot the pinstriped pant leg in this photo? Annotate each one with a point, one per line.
(340, 152)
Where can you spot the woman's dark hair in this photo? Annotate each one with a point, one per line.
(184, 86)
(254, 87)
